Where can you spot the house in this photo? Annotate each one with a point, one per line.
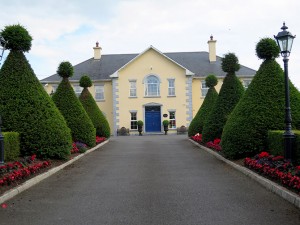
(151, 86)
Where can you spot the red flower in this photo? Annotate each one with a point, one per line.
(263, 155)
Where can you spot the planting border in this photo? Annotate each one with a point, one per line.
(268, 184)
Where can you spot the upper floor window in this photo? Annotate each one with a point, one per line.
(152, 86)
(99, 92)
(204, 88)
(246, 83)
(171, 89)
(77, 90)
(132, 92)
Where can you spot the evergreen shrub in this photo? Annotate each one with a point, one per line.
(91, 107)
(11, 146)
(196, 125)
(229, 95)
(26, 108)
(261, 109)
(81, 126)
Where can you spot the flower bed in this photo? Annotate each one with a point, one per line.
(212, 144)
(276, 168)
(22, 169)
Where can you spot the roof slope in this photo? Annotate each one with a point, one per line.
(196, 62)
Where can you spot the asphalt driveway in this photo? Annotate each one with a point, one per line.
(142, 180)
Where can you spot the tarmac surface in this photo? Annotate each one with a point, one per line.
(141, 180)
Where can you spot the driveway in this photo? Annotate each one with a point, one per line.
(141, 180)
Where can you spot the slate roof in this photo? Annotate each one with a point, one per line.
(196, 62)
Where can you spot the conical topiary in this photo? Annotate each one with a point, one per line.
(25, 107)
(229, 95)
(197, 123)
(67, 102)
(89, 104)
(261, 108)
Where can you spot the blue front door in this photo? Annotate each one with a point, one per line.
(153, 119)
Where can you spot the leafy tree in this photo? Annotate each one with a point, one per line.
(261, 108)
(89, 104)
(25, 107)
(197, 123)
(230, 93)
(81, 126)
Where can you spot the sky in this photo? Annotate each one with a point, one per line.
(67, 30)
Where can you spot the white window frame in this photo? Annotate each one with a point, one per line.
(54, 88)
(77, 90)
(246, 83)
(156, 93)
(171, 87)
(172, 120)
(132, 89)
(133, 120)
(99, 92)
(204, 88)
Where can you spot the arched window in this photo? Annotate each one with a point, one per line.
(152, 86)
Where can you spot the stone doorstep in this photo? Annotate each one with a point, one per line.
(268, 184)
(33, 181)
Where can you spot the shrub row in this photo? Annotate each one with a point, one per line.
(11, 146)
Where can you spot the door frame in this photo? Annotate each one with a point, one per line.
(144, 113)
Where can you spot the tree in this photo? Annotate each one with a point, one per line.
(89, 104)
(229, 95)
(197, 123)
(25, 107)
(261, 108)
(81, 126)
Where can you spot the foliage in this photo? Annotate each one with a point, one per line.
(99, 121)
(26, 108)
(231, 92)
(65, 69)
(276, 143)
(17, 38)
(166, 123)
(196, 125)
(267, 48)
(261, 109)
(11, 146)
(85, 81)
(81, 126)
(211, 81)
(230, 63)
(140, 123)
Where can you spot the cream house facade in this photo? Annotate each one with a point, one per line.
(151, 86)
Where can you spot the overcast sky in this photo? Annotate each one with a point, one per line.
(68, 29)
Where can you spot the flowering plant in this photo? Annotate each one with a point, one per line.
(100, 139)
(275, 168)
(197, 138)
(214, 144)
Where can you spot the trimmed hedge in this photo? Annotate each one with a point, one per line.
(231, 92)
(196, 125)
(81, 126)
(89, 104)
(261, 109)
(26, 108)
(276, 143)
(11, 146)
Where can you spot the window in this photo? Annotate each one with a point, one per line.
(204, 88)
(246, 83)
(132, 92)
(99, 92)
(172, 120)
(133, 121)
(54, 88)
(171, 91)
(152, 86)
(77, 90)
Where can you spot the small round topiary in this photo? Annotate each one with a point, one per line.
(17, 38)
(65, 69)
(230, 63)
(267, 48)
(211, 80)
(85, 81)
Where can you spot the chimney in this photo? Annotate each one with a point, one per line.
(97, 51)
(212, 50)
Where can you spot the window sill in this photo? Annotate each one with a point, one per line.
(132, 97)
(100, 100)
(151, 96)
(171, 96)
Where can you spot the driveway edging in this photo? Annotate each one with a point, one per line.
(268, 184)
(33, 181)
